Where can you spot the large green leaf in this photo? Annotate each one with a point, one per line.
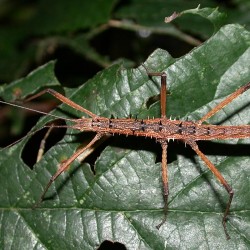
(123, 200)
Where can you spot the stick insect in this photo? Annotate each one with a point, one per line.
(162, 129)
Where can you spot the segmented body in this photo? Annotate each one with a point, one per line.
(162, 128)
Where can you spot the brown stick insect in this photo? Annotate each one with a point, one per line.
(162, 130)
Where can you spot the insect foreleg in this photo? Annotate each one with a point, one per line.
(65, 165)
(62, 99)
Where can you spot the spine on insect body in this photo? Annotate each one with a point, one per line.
(162, 128)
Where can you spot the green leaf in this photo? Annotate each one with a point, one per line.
(150, 16)
(212, 14)
(154, 13)
(123, 200)
(42, 77)
(161, 9)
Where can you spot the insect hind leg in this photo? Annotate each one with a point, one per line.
(219, 177)
(225, 102)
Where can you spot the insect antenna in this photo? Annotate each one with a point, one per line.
(39, 129)
(37, 111)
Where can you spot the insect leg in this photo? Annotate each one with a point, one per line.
(164, 170)
(220, 178)
(42, 144)
(163, 93)
(65, 165)
(224, 102)
(62, 99)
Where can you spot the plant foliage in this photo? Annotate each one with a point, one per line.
(121, 200)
